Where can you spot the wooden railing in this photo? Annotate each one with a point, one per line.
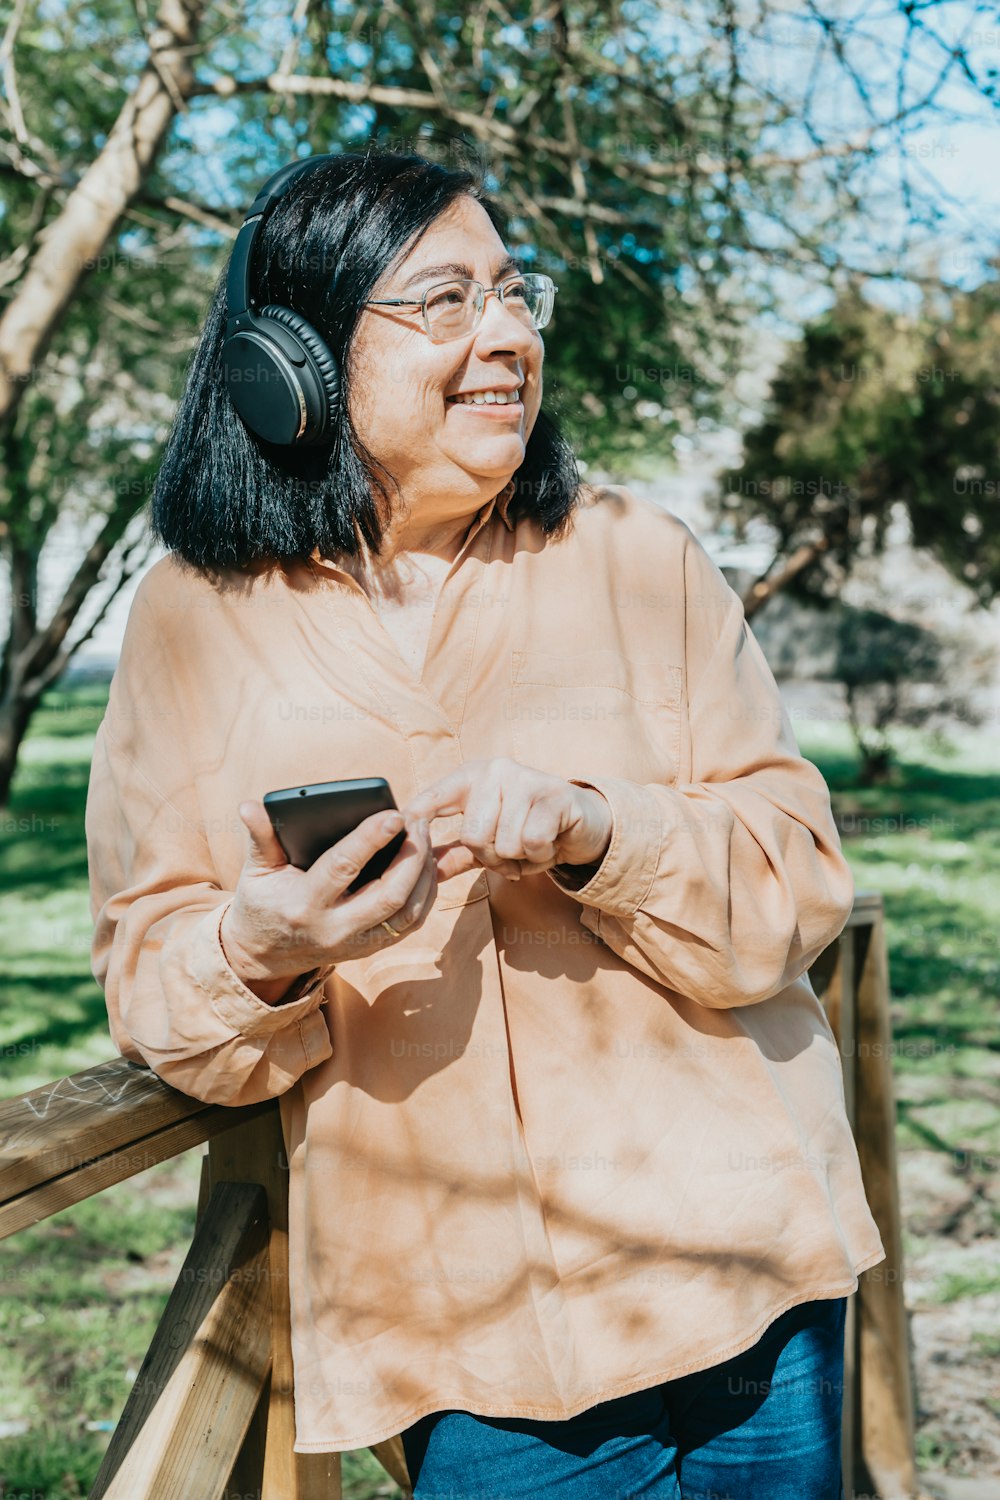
(210, 1415)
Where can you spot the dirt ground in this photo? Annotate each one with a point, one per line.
(951, 1251)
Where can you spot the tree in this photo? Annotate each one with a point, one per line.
(873, 411)
(652, 164)
(52, 256)
(895, 672)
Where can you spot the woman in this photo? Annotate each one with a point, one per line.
(574, 1203)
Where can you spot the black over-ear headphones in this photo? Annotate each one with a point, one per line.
(279, 372)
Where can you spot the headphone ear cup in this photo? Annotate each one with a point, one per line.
(320, 372)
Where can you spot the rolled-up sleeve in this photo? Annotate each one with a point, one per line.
(173, 1000)
(727, 885)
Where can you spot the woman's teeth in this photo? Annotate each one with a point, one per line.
(487, 398)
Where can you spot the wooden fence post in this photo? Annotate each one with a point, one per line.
(255, 1151)
(193, 1399)
(852, 980)
(887, 1416)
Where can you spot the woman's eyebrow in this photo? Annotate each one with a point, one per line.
(457, 268)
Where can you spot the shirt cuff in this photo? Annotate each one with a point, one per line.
(622, 880)
(232, 1000)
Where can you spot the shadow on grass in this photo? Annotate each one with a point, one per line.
(914, 784)
(82, 1000)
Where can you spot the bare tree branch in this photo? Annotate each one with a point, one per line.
(74, 240)
(758, 594)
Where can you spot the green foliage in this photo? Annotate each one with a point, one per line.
(930, 843)
(871, 411)
(896, 672)
(874, 650)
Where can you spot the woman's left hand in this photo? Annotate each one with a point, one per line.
(516, 820)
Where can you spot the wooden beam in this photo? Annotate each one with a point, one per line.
(63, 1124)
(887, 1407)
(188, 1412)
(255, 1151)
(50, 1197)
(391, 1456)
(850, 1441)
(867, 906)
(71, 1138)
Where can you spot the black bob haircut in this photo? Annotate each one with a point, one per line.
(225, 498)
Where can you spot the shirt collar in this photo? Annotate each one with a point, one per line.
(499, 502)
(502, 502)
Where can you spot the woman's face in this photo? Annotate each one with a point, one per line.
(437, 449)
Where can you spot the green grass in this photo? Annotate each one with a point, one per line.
(52, 1015)
(58, 1286)
(85, 1288)
(936, 860)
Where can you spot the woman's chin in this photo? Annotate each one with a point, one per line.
(496, 457)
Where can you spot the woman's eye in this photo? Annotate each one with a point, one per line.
(450, 297)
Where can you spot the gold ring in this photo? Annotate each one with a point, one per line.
(389, 928)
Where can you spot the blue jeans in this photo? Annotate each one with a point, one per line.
(764, 1425)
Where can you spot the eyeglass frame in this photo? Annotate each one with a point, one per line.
(485, 291)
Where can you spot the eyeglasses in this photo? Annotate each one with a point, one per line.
(452, 309)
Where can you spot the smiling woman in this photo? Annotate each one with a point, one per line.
(535, 1076)
(410, 361)
(332, 240)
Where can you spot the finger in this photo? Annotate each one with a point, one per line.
(416, 904)
(406, 906)
(442, 798)
(540, 831)
(404, 915)
(482, 809)
(338, 866)
(515, 806)
(454, 859)
(265, 851)
(479, 827)
(377, 899)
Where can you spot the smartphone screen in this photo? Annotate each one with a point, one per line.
(308, 820)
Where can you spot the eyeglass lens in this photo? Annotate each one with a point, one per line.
(451, 307)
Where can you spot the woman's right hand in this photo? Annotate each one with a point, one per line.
(283, 921)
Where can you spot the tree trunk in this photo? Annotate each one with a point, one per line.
(15, 716)
(34, 657)
(874, 754)
(27, 673)
(74, 240)
(876, 765)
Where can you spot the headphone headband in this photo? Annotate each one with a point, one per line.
(238, 275)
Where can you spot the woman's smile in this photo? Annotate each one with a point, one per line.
(497, 410)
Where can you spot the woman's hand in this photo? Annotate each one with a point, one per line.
(284, 921)
(516, 820)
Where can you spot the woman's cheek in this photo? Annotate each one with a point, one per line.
(531, 413)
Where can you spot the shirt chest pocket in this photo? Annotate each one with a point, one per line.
(596, 712)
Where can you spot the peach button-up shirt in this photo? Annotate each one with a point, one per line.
(555, 1145)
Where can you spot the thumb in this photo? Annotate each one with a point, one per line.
(265, 852)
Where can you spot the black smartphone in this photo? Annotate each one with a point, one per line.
(308, 820)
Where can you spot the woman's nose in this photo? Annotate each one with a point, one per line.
(501, 326)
